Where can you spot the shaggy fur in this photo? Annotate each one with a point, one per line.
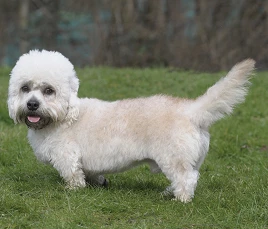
(85, 138)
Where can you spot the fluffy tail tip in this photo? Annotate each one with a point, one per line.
(247, 66)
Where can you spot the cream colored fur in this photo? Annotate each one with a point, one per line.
(85, 138)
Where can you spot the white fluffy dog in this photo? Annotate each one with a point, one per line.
(85, 138)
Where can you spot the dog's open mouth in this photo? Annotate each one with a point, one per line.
(33, 119)
(36, 121)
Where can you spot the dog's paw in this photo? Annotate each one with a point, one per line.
(103, 181)
(99, 180)
(183, 198)
(75, 184)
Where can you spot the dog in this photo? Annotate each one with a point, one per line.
(85, 138)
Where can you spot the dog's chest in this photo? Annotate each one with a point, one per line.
(42, 144)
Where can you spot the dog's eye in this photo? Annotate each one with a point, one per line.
(48, 91)
(25, 89)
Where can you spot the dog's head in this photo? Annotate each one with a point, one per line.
(43, 90)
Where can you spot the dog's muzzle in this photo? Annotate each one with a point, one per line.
(36, 121)
(33, 117)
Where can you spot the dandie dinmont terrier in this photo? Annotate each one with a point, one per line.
(86, 138)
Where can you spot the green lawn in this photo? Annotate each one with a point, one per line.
(233, 187)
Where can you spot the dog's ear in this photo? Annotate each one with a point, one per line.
(12, 107)
(11, 111)
(74, 83)
(73, 108)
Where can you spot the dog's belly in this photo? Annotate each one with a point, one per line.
(106, 167)
(113, 159)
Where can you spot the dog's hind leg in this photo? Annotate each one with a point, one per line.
(183, 177)
(184, 187)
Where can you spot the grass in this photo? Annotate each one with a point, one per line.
(233, 187)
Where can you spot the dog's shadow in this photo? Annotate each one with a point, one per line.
(137, 179)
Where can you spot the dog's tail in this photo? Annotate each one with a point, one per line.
(220, 99)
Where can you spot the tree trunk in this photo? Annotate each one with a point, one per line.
(23, 25)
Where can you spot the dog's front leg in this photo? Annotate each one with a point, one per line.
(77, 180)
(70, 168)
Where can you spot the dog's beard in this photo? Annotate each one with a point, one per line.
(35, 119)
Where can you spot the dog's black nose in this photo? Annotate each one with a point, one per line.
(33, 105)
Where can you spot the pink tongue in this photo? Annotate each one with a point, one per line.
(33, 118)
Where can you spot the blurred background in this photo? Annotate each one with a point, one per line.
(203, 35)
